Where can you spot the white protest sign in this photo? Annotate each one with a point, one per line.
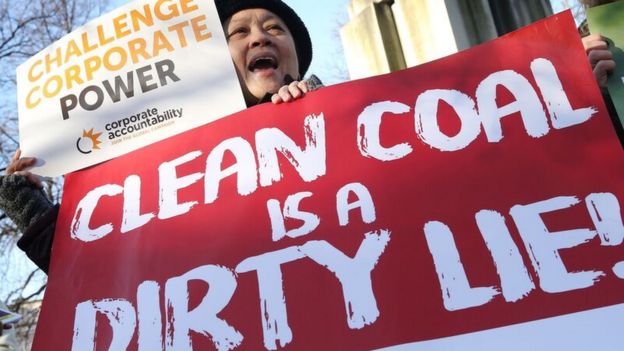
(144, 72)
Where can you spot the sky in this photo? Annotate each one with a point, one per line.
(323, 18)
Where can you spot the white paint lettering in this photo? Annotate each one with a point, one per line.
(309, 163)
(121, 317)
(516, 283)
(273, 312)
(562, 115)
(82, 217)
(354, 274)
(245, 168)
(427, 127)
(604, 210)
(364, 203)
(526, 102)
(368, 127)
(543, 246)
(150, 318)
(291, 211)
(170, 184)
(456, 291)
(132, 217)
(203, 318)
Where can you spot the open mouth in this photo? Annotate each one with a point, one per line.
(263, 63)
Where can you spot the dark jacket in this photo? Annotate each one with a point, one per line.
(38, 237)
(33, 214)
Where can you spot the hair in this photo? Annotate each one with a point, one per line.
(592, 3)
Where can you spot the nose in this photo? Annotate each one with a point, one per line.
(259, 37)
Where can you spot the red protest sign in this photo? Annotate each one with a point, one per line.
(478, 195)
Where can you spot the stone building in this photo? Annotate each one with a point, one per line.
(387, 35)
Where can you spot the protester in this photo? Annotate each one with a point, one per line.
(270, 46)
(271, 50)
(8, 340)
(602, 63)
(600, 58)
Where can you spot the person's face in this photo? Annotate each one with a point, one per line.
(263, 51)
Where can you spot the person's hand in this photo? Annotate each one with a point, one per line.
(291, 92)
(20, 165)
(600, 58)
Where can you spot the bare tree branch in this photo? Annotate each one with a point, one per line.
(17, 305)
(19, 289)
(27, 27)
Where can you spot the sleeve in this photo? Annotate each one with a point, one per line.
(615, 119)
(33, 214)
(38, 237)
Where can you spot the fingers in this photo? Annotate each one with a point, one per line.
(303, 86)
(20, 164)
(593, 42)
(286, 93)
(602, 70)
(596, 45)
(11, 167)
(596, 56)
(602, 64)
(606, 66)
(276, 99)
(600, 58)
(16, 155)
(290, 92)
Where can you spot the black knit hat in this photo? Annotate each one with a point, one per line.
(295, 25)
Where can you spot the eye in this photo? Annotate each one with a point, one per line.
(238, 31)
(275, 29)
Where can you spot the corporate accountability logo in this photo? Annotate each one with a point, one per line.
(127, 128)
(141, 123)
(88, 142)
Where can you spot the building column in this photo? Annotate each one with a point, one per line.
(370, 39)
(510, 15)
